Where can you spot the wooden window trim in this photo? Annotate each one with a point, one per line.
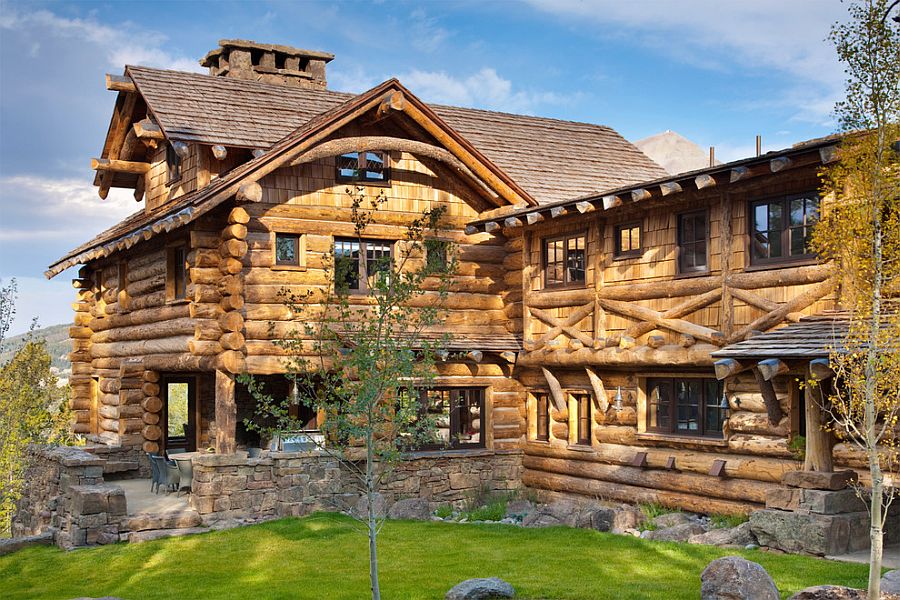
(363, 271)
(694, 271)
(171, 252)
(760, 264)
(671, 432)
(299, 250)
(539, 435)
(361, 166)
(583, 430)
(454, 417)
(617, 230)
(564, 238)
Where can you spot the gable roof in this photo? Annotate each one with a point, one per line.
(144, 225)
(550, 159)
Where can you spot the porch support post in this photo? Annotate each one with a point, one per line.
(226, 413)
(819, 441)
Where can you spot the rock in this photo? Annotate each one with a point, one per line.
(672, 519)
(519, 508)
(736, 578)
(156, 534)
(481, 589)
(617, 520)
(676, 533)
(819, 480)
(829, 592)
(9, 545)
(812, 533)
(890, 583)
(555, 513)
(361, 510)
(172, 520)
(735, 536)
(415, 509)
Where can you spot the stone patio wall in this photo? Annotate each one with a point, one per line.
(65, 494)
(283, 484)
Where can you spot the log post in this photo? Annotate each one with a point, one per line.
(773, 408)
(819, 440)
(226, 413)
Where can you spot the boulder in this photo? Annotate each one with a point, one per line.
(890, 583)
(519, 508)
(735, 536)
(415, 509)
(676, 533)
(481, 589)
(672, 519)
(616, 520)
(555, 513)
(736, 578)
(829, 592)
(10, 545)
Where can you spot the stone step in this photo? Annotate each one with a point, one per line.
(180, 519)
(119, 466)
(155, 534)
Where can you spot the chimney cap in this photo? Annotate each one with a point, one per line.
(207, 60)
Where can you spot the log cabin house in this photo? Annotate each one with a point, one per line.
(602, 305)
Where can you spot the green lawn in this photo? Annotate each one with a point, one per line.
(324, 556)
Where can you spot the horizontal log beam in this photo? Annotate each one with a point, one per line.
(119, 166)
(148, 130)
(120, 83)
(771, 368)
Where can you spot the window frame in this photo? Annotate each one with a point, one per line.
(680, 242)
(172, 251)
(541, 434)
(362, 265)
(361, 167)
(299, 251)
(618, 253)
(545, 264)
(431, 245)
(703, 431)
(173, 165)
(785, 233)
(122, 297)
(582, 420)
(453, 398)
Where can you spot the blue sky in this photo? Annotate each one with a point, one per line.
(716, 72)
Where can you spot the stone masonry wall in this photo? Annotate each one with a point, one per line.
(64, 493)
(283, 484)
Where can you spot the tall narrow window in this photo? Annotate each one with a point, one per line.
(686, 406)
(542, 416)
(173, 165)
(564, 260)
(122, 289)
(363, 167)
(780, 228)
(176, 273)
(583, 424)
(692, 236)
(627, 240)
(359, 262)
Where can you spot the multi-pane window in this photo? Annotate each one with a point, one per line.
(287, 249)
(686, 406)
(363, 167)
(564, 260)
(542, 416)
(627, 240)
(358, 262)
(583, 418)
(692, 236)
(781, 228)
(458, 414)
(176, 274)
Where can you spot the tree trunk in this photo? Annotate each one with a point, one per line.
(371, 520)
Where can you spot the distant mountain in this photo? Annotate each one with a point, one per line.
(58, 346)
(674, 152)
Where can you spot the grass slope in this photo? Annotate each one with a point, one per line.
(324, 556)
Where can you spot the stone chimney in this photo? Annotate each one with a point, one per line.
(269, 63)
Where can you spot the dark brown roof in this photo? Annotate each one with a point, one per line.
(552, 160)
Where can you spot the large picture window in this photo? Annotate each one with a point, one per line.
(685, 406)
(564, 260)
(357, 262)
(781, 228)
(364, 167)
(458, 414)
(692, 241)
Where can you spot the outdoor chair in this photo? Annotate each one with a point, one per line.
(185, 473)
(175, 451)
(155, 477)
(168, 471)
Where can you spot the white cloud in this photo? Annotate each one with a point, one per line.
(765, 35)
(123, 44)
(426, 35)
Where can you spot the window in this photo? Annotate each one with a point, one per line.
(685, 406)
(289, 250)
(459, 416)
(437, 255)
(173, 165)
(542, 420)
(358, 261)
(627, 240)
(364, 167)
(99, 290)
(564, 260)
(583, 419)
(692, 235)
(122, 290)
(781, 228)
(176, 274)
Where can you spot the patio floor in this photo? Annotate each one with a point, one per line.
(140, 500)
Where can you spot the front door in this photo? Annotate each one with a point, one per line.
(179, 413)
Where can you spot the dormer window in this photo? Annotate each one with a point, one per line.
(173, 165)
(364, 167)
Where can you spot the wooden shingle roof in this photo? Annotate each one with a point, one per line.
(812, 337)
(552, 160)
